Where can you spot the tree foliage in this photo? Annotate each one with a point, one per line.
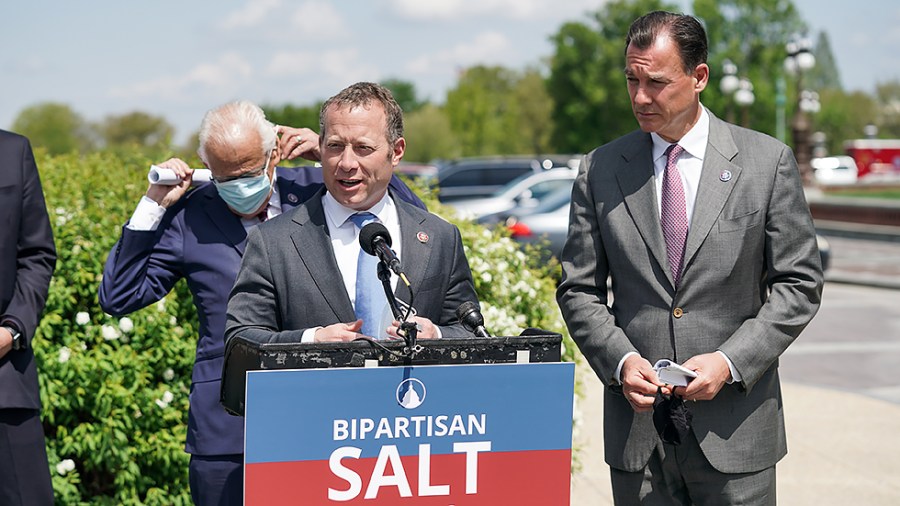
(429, 136)
(405, 94)
(843, 116)
(136, 130)
(887, 95)
(55, 127)
(586, 83)
(494, 110)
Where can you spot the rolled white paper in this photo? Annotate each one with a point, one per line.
(167, 177)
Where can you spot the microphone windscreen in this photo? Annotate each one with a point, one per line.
(469, 315)
(368, 234)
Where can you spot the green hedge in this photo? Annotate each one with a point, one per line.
(115, 391)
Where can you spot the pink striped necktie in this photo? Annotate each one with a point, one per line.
(674, 213)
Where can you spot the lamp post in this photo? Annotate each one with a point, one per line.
(729, 84)
(738, 90)
(799, 60)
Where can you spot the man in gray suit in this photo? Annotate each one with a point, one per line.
(712, 256)
(300, 272)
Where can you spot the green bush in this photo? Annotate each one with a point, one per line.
(115, 391)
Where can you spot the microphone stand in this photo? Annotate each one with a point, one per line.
(408, 329)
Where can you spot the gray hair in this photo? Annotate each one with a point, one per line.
(231, 123)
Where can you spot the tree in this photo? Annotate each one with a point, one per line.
(586, 84)
(843, 116)
(54, 127)
(429, 136)
(136, 129)
(535, 112)
(752, 34)
(825, 74)
(888, 97)
(306, 116)
(486, 113)
(405, 94)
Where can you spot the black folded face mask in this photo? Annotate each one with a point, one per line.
(672, 418)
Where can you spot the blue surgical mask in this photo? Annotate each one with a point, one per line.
(247, 194)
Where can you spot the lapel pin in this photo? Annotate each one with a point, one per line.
(422, 237)
(725, 176)
(292, 198)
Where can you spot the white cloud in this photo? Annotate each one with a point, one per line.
(253, 13)
(223, 75)
(317, 20)
(516, 9)
(485, 48)
(340, 65)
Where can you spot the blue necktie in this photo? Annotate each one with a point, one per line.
(370, 298)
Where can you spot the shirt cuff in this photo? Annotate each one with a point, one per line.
(309, 335)
(147, 215)
(735, 375)
(618, 376)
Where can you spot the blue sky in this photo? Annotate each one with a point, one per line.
(177, 59)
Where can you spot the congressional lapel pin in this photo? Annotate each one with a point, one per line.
(422, 237)
(292, 198)
(725, 176)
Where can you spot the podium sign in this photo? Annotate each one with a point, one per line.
(420, 435)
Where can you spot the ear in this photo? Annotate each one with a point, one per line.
(701, 77)
(399, 150)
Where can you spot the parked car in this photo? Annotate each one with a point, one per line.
(835, 169)
(547, 224)
(524, 192)
(480, 177)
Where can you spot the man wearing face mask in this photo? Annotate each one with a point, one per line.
(200, 235)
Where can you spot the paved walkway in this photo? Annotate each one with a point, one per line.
(843, 449)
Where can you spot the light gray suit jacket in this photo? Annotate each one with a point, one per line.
(752, 280)
(290, 281)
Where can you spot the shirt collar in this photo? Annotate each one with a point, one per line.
(337, 215)
(694, 141)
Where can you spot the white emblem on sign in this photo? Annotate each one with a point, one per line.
(410, 393)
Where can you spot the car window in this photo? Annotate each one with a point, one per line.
(465, 177)
(502, 176)
(544, 188)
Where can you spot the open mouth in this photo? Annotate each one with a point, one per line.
(350, 183)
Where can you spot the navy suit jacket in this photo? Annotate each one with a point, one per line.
(27, 260)
(202, 241)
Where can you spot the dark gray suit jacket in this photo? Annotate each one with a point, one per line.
(27, 260)
(290, 281)
(752, 280)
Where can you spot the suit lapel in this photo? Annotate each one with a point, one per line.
(714, 188)
(636, 181)
(226, 221)
(415, 236)
(313, 243)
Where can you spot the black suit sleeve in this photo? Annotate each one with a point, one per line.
(27, 271)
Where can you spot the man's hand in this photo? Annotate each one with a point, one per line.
(712, 373)
(164, 195)
(339, 332)
(426, 329)
(298, 142)
(640, 383)
(5, 342)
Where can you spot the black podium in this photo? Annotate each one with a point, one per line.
(242, 355)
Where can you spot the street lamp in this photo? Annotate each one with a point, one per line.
(744, 97)
(799, 60)
(729, 84)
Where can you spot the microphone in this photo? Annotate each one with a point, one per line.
(471, 318)
(375, 240)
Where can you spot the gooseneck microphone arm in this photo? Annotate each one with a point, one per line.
(375, 240)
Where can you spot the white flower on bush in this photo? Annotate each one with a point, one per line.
(126, 325)
(167, 399)
(82, 318)
(64, 354)
(173, 321)
(110, 333)
(64, 467)
(161, 305)
(169, 375)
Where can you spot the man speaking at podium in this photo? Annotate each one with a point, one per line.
(304, 278)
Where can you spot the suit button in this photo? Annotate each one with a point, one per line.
(677, 312)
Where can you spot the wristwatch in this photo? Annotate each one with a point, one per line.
(17, 343)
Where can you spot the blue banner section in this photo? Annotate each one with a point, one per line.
(300, 415)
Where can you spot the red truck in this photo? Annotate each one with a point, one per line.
(875, 158)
